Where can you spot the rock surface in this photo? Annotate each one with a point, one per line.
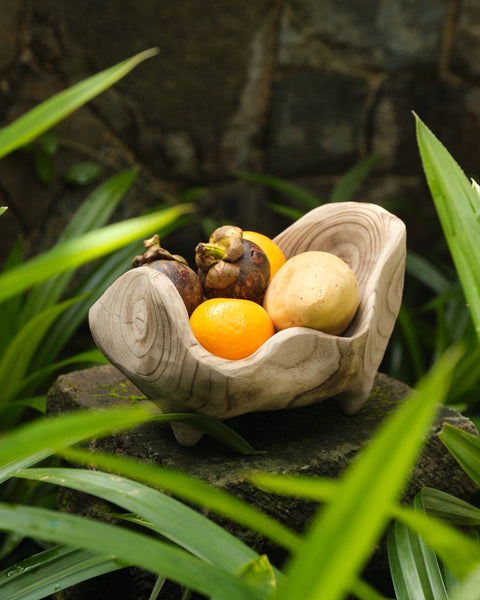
(314, 440)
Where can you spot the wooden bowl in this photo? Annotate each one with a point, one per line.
(141, 325)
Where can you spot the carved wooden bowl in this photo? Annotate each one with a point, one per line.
(141, 325)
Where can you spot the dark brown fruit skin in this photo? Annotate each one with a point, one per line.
(253, 277)
(184, 279)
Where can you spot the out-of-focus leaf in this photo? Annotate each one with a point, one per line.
(83, 173)
(15, 362)
(90, 246)
(289, 189)
(348, 527)
(43, 164)
(3, 209)
(41, 118)
(345, 189)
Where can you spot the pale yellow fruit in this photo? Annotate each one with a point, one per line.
(313, 289)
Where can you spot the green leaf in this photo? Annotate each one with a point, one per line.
(465, 448)
(457, 551)
(14, 364)
(216, 429)
(345, 189)
(458, 207)
(469, 588)
(33, 442)
(93, 213)
(413, 565)
(427, 273)
(190, 490)
(289, 189)
(260, 574)
(159, 512)
(31, 382)
(41, 118)
(449, 508)
(43, 164)
(83, 173)
(90, 246)
(97, 279)
(3, 209)
(127, 546)
(349, 527)
(53, 570)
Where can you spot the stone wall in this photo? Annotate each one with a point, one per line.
(299, 89)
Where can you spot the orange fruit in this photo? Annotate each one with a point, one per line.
(230, 327)
(275, 256)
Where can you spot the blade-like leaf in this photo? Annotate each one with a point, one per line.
(15, 362)
(127, 546)
(48, 113)
(30, 443)
(351, 180)
(289, 189)
(456, 550)
(94, 212)
(458, 207)
(465, 448)
(469, 588)
(449, 508)
(31, 382)
(165, 515)
(414, 566)
(348, 527)
(83, 173)
(53, 570)
(191, 490)
(3, 209)
(92, 245)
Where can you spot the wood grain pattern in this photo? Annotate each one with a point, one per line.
(141, 325)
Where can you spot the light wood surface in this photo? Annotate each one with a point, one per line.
(141, 325)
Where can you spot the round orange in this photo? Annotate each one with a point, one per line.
(230, 327)
(275, 256)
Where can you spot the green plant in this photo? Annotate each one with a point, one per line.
(325, 562)
(36, 327)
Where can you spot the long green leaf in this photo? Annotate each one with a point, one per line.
(48, 113)
(15, 362)
(456, 550)
(349, 183)
(414, 566)
(289, 189)
(93, 213)
(92, 245)
(340, 538)
(465, 448)
(53, 570)
(191, 490)
(31, 382)
(458, 208)
(449, 508)
(34, 441)
(469, 588)
(165, 515)
(127, 546)
(97, 279)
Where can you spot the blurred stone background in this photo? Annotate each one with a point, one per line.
(299, 89)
